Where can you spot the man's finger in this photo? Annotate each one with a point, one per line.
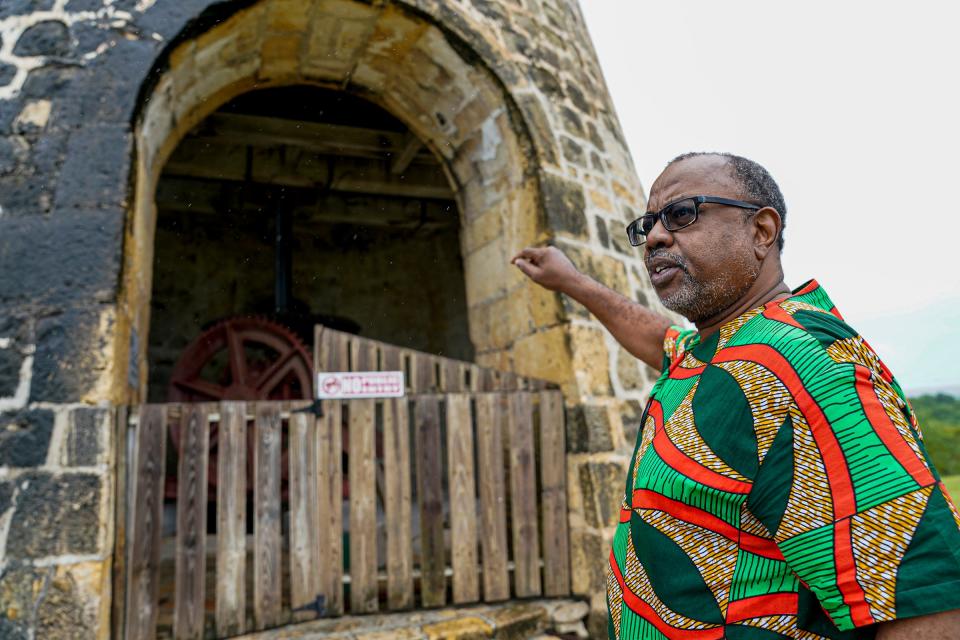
(524, 266)
(530, 253)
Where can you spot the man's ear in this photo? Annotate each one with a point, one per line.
(766, 230)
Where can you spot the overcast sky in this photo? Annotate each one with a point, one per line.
(853, 107)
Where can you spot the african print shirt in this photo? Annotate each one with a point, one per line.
(779, 489)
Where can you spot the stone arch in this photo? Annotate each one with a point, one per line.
(402, 61)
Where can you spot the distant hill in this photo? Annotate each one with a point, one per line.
(950, 390)
(939, 417)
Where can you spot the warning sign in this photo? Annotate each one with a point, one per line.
(359, 384)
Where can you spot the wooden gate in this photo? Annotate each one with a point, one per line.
(453, 498)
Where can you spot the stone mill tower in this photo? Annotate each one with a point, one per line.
(112, 256)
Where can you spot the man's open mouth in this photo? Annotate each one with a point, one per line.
(662, 269)
(661, 275)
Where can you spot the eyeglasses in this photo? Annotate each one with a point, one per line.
(677, 215)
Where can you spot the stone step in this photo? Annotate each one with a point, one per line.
(514, 620)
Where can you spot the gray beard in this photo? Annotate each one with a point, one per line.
(697, 300)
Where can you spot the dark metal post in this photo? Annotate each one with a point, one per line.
(283, 257)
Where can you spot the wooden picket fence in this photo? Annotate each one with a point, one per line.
(454, 498)
(423, 372)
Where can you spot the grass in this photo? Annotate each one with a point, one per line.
(953, 486)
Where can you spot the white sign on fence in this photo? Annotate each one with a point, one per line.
(359, 384)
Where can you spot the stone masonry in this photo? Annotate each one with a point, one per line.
(94, 95)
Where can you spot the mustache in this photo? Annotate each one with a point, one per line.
(662, 253)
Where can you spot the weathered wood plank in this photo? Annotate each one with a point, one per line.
(489, 380)
(553, 500)
(424, 372)
(363, 507)
(493, 512)
(121, 501)
(396, 462)
(302, 479)
(414, 379)
(474, 373)
(266, 501)
(463, 503)
(364, 356)
(429, 452)
(230, 603)
(331, 350)
(323, 351)
(523, 498)
(330, 506)
(509, 381)
(191, 522)
(143, 551)
(391, 358)
(451, 375)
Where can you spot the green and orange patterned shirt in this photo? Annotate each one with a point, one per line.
(779, 489)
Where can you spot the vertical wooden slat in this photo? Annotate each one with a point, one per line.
(391, 359)
(429, 452)
(396, 462)
(330, 507)
(302, 478)
(523, 498)
(191, 522)
(120, 502)
(329, 356)
(489, 381)
(452, 376)
(413, 379)
(493, 517)
(143, 551)
(363, 507)
(463, 504)
(424, 366)
(266, 499)
(331, 350)
(364, 354)
(230, 605)
(553, 486)
(475, 375)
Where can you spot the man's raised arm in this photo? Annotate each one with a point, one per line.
(638, 329)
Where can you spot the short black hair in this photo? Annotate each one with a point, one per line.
(756, 182)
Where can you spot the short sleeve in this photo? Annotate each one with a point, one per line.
(850, 495)
(675, 342)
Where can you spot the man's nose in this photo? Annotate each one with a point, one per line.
(658, 236)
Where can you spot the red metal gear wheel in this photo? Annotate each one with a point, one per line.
(241, 358)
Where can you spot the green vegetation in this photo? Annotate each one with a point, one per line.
(939, 418)
(953, 486)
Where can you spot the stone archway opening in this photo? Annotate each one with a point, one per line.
(428, 92)
(292, 206)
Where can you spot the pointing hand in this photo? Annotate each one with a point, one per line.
(548, 267)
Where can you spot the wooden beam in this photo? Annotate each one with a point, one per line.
(311, 208)
(409, 151)
(291, 167)
(329, 139)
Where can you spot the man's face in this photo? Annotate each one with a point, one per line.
(701, 270)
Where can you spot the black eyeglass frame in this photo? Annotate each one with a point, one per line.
(637, 237)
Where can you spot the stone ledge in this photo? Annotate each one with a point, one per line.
(510, 620)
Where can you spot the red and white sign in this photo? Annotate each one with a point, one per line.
(359, 384)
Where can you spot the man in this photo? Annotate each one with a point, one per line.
(779, 487)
